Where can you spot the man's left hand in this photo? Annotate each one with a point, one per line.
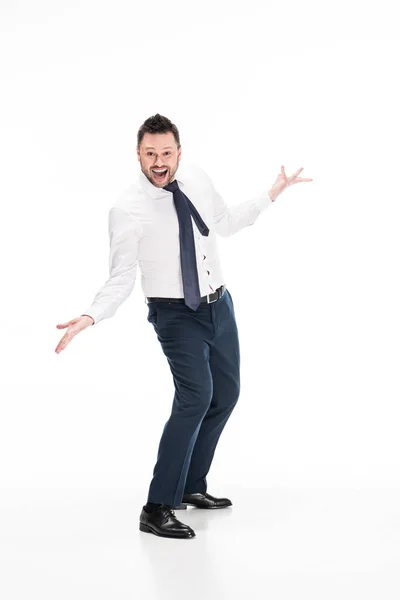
(283, 181)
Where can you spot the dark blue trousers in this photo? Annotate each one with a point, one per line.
(202, 349)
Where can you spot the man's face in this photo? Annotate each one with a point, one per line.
(159, 151)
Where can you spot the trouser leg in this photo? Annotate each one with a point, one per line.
(225, 371)
(189, 362)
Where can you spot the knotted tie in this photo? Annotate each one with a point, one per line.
(184, 209)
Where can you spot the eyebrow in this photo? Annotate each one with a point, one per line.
(152, 147)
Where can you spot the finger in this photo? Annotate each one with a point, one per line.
(299, 179)
(293, 177)
(64, 342)
(59, 348)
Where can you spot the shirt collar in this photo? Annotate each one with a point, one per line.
(153, 190)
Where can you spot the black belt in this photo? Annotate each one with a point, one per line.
(209, 298)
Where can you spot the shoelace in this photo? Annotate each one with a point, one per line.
(165, 511)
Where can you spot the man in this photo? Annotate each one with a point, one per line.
(167, 223)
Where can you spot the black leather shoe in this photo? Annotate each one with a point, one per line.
(162, 521)
(205, 501)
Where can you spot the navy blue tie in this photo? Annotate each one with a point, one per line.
(184, 209)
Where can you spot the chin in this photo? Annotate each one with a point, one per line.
(158, 184)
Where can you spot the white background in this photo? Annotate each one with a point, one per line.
(314, 280)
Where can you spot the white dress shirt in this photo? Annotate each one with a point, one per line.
(144, 230)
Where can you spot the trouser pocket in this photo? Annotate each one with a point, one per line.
(152, 313)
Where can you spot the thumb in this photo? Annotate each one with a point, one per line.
(68, 323)
(63, 325)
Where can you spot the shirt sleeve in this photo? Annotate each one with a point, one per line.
(230, 219)
(123, 259)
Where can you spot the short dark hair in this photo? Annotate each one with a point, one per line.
(158, 124)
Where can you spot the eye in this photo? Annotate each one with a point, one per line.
(149, 153)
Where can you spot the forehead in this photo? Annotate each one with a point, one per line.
(158, 141)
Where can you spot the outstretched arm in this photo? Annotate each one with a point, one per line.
(230, 219)
(124, 236)
(123, 260)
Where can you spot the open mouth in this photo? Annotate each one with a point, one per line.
(160, 174)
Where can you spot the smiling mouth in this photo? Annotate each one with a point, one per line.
(160, 174)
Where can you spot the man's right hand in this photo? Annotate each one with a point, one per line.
(74, 326)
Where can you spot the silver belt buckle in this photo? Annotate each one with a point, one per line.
(219, 294)
(208, 299)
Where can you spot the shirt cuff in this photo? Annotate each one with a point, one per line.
(264, 201)
(95, 312)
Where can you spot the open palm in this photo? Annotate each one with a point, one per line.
(283, 181)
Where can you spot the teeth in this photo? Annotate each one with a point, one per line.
(159, 171)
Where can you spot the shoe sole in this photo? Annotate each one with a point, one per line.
(148, 529)
(205, 507)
